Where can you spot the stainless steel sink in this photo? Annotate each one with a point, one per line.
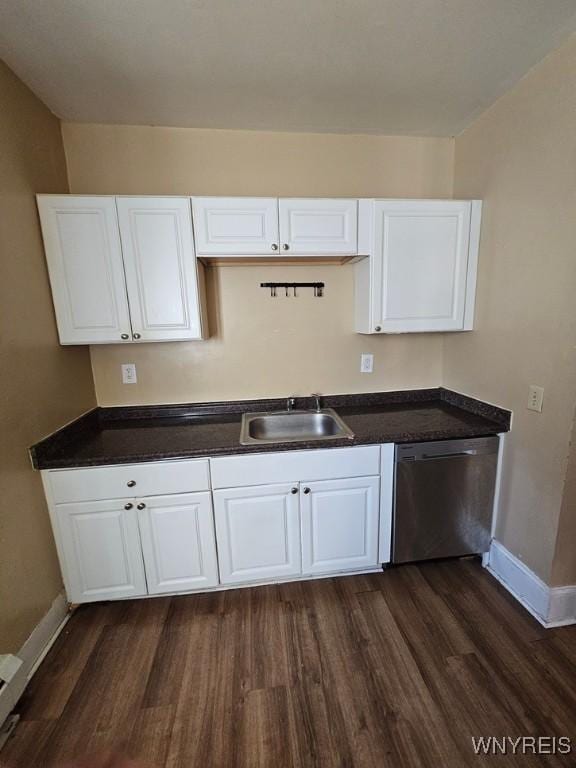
(292, 426)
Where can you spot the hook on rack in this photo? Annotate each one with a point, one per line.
(318, 288)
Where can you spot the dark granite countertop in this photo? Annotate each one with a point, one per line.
(149, 433)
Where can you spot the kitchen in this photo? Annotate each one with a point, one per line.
(168, 483)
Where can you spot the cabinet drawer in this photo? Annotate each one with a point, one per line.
(291, 466)
(128, 480)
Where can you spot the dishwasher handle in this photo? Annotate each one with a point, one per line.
(433, 456)
(410, 459)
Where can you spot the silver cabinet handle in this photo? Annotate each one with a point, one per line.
(128, 506)
(141, 505)
(137, 336)
(274, 247)
(131, 483)
(306, 490)
(285, 247)
(294, 490)
(378, 328)
(124, 336)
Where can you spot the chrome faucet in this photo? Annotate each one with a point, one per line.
(317, 398)
(290, 403)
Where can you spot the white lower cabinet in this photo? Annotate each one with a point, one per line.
(177, 534)
(258, 532)
(157, 528)
(100, 548)
(340, 524)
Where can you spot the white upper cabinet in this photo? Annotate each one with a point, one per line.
(84, 258)
(121, 269)
(236, 226)
(318, 226)
(160, 265)
(266, 226)
(421, 271)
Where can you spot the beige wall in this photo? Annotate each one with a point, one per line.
(108, 159)
(519, 158)
(262, 346)
(43, 385)
(564, 565)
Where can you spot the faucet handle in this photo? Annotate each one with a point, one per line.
(290, 403)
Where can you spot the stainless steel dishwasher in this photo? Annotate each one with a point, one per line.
(444, 497)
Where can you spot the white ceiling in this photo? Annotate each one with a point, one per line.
(417, 67)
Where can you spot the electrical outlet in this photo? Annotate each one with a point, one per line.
(535, 398)
(366, 363)
(129, 373)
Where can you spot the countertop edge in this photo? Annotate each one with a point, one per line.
(497, 420)
(269, 448)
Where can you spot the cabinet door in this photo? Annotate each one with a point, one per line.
(235, 226)
(178, 542)
(84, 258)
(339, 524)
(419, 265)
(318, 226)
(258, 532)
(160, 264)
(100, 545)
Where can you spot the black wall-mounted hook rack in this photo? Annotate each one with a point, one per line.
(318, 288)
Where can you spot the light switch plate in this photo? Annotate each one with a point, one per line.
(535, 398)
(129, 373)
(366, 363)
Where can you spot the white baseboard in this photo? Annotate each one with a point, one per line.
(551, 606)
(32, 652)
(562, 607)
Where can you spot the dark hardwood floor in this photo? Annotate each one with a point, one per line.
(394, 669)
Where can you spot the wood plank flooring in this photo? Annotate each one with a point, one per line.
(394, 669)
